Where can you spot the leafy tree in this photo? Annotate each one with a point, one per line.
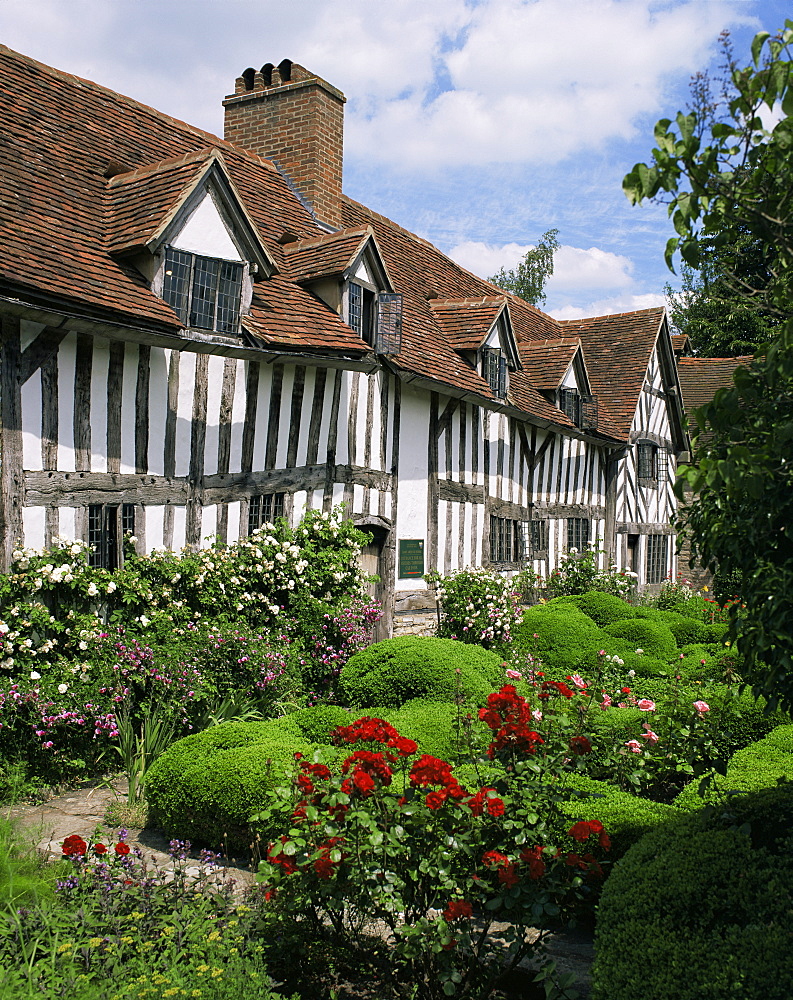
(738, 173)
(528, 279)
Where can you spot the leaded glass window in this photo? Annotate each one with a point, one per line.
(494, 371)
(656, 558)
(264, 508)
(577, 533)
(204, 292)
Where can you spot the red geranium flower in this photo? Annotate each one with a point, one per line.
(494, 859)
(559, 686)
(435, 800)
(121, 849)
(458, 909)
(100, 849)
(508, 875)
(583, 830)
(74, 846)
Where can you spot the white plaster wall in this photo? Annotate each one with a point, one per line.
(284, 419)
(234, 522)
(66, 521)
(158, 408)
(237, 420)
(184, 412)
(569, 381)
(66, 364)
(357, 498)
(154, 527)
(31, 423)
(214, 387)
(99, 368)
(412, 509)
(262, 415)
(205, 233)
(305, 415)
(324, 424)
(129, 381)
(33, 527)
(298, 506)
(179, 528)
(28, 331)
(209, 523)
(342, 449)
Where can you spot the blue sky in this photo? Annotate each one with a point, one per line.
(478, 124)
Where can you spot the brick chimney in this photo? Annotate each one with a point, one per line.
(296, 119)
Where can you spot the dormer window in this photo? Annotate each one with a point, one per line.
(205, 292)
(361, 311)
(494, 371)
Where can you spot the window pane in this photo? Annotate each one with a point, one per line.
(229, 297)
(657, 553)
(647, 460)
(128, 518)
(176, 281)
(254, 514)
(577, 533)
(355, 307)
(204, 293)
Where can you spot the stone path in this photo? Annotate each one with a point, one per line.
(82, 811)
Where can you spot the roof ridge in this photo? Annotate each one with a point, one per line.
(469, 300)
(610, 316)
(161, 166)
(323, 238)
(132, 102)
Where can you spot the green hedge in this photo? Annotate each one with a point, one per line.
(700, 909)
(653, 637)
(760, 765)
(625, 817)
(397, 670)
(316, 723)
(205, 787)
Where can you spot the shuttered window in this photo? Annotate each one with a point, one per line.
(204, 292)
(539, 535)
(389, 323)
(657, 556)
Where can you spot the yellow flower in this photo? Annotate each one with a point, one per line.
(158, 980)
(216, 972)
(167, 931)
(201, 969)
(95, 943)
(64, 947)
(196, 993)
(214, 936)
(172, 991)
(126, 940)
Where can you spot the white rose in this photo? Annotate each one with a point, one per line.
(63, 688)
(92, 589)
(111, 587)
(35, 675)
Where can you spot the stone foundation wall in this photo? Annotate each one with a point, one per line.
(415, 613)
(696, 576)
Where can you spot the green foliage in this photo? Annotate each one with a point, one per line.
(124, 929)
(578, 573)
(434, 726)
(698, 908)
(396, 670)
(760, 765)
(206, 786)
(559, 635)
(652, 637)
(726, 174)
(315, 723)
(24, 879)
(604, 609)
(479, 606)
(627, 817)
(528, 279)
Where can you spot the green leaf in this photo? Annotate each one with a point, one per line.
(758, 42)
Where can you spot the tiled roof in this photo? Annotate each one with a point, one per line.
(701, 378)
(84, 170)
(466, 322)
(139, 200)
(546, 361)
(681, 344)
(325, 256)
(617, 350)
(60, 134)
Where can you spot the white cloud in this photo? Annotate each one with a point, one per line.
(604, 307)
(574, 269)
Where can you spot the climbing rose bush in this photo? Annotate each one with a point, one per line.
(478, 606)
(386, 837)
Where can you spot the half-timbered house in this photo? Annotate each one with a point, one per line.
(202, 334)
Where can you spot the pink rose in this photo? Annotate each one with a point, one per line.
(634, 746)
(607, 702)
(515, 675)
(648, 734)
(646, 705)
(578, 680)
(701, 707)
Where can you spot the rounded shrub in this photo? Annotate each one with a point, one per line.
(602, 608)
(625, 817)
(205, 787)
(315, 723)
(645, 666)
(564, 635)
(397, 670)
(653, 637)
(762, 764)
(699, 909)
(433, 725)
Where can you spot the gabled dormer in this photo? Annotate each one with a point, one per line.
(346, 270)
(183, 225)
(557, 369)
(481, 331)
